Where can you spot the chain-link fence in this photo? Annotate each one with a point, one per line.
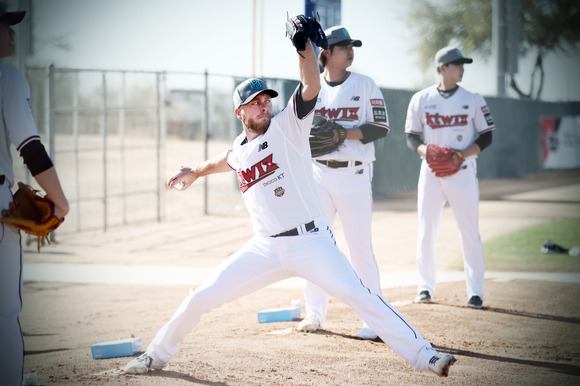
(117, 136)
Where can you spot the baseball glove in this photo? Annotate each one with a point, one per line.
(301, 28)
(322, 136)
(31, 213)
(443, 161)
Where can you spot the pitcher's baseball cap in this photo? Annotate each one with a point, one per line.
(339, 36)
(10, 17)
(248, 89)
(449, 54)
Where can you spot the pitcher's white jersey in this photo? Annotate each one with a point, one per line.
(449, 122)
(16, 121)
(277, 200)
(355, 102)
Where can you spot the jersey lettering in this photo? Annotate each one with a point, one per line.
(249, 177)
(340, 114)
(437, 121)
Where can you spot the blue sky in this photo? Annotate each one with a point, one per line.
(192, 35)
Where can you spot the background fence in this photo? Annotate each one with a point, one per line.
(117, 136)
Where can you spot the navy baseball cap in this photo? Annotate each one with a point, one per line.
(339, 36)
(248, 89)
(10, 17)
(450, 54)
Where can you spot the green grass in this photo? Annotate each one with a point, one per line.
(521, 250)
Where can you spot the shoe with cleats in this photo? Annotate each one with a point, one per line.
(475, 302)
(310, 323)
(423, 297)
(143, 364)
(366, 333)
(440, 364)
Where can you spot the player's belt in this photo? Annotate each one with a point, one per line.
(2, 178)
(295, 232)
(338, 164)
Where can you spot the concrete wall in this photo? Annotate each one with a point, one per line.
(516, 149)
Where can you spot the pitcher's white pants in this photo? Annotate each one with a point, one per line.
(461, 190)
(266, 260)
(348, 193)
(11, 341)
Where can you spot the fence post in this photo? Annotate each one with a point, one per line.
(160, 135)
(51, 107)
(75, 131)
(104, 143)
(205, 136)
(121, 115)
(51, 121)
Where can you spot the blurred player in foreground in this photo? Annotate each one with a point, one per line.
(291, 236)
(17, 127)
(449, 117)
(344, 176)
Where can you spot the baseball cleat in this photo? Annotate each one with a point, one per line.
(366, 333)
(143, 364)
(475, 302)
(310, 323)
(423, 297)
(440, 364)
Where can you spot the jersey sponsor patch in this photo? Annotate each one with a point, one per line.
(379, 114)
(488, 119)
(377, 102)
(487, 115)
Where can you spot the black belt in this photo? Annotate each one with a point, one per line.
(2, 178)
(337, 164)
(294, 232)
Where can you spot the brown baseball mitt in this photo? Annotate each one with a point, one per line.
(322, 136)
(31, 213)
(443, 161)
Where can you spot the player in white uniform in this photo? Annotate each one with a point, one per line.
(344, 177)
(448, 115)
(17, 128)
(292, 238)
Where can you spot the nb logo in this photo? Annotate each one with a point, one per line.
(262, 146)
(360, 171)
(355, 98)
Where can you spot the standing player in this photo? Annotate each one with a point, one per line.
(343, 177)
(448, 116)
(291, 236)
(17, 128)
